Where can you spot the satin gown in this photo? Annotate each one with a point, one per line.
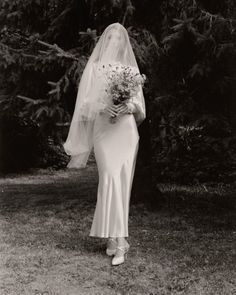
(115, 149)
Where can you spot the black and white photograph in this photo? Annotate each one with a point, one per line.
(117, 147)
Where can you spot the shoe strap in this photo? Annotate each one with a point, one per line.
(123, 248)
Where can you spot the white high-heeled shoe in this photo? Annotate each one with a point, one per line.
(118, 259)
(111, 252)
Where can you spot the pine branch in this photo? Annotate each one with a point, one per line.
(30, 100)
(59, 51)
(129, 10)
(216, 16)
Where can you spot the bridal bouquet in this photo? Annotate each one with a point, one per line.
(122, 83)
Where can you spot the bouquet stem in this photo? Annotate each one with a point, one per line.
(113, 119)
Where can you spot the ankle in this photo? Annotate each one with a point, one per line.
(112, 239)
(121, 241)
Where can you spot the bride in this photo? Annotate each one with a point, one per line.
(115, 144)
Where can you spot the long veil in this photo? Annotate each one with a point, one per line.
(112, 46)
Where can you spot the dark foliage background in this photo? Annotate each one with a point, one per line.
(186, 49)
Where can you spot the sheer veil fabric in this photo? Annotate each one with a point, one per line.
(113, 46)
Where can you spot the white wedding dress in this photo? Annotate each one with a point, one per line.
(115, 144)
(115, 148)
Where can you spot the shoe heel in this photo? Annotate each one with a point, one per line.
(110, 252)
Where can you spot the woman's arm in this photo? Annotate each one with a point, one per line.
(140, 111)
(131, 107)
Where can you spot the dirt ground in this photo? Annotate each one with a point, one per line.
(187, 246)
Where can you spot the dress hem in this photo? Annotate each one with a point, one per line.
(108, 236)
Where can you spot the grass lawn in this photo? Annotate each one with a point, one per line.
(187, 246)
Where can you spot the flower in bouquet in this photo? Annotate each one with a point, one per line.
(122, 83)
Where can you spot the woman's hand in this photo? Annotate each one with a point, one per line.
(110, 110)
(125, 108)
